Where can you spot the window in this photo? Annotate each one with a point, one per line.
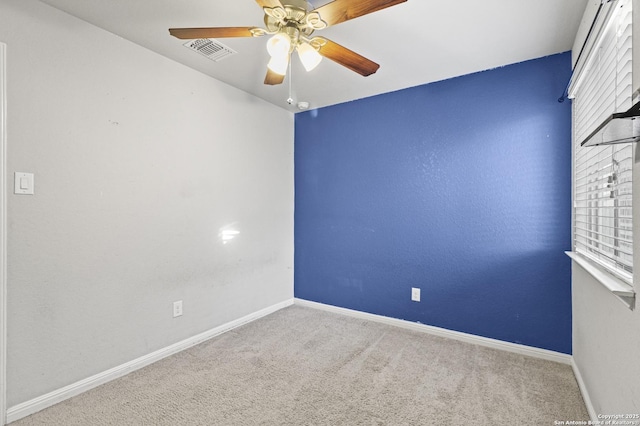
(603, 174)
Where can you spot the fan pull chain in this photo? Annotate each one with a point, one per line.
(290, 99)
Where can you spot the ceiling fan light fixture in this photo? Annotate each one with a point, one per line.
(279, 64)
(279, 45)
(309, 56)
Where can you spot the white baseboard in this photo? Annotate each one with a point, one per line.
(29, 407)
(442, 332)
(585, 393)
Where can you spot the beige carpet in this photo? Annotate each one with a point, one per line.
(301, 366)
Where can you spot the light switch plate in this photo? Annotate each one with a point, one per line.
(23, 183)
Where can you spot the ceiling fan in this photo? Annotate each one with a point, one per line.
(292, 23)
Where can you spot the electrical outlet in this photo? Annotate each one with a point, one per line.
(177, 308)
(415, 294)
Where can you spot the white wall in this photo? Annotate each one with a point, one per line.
(3, 251)
(139, 163)
(606, 346)
(606, 333)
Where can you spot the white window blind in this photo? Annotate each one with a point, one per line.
(603, 174)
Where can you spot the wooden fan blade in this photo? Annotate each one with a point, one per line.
(272, 78)
(342, 10)
(344, 56)
(216, 32)
(269, 3)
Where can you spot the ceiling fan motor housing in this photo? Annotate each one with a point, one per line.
(280, 19)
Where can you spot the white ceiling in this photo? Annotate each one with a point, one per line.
(416, 42)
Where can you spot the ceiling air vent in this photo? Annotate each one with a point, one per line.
(210, 48)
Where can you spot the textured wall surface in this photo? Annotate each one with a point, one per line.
(140, 166)
(606, 344)
(461, 188)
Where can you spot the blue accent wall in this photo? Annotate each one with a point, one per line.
(461, 188)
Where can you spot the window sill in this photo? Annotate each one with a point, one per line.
(618, 287)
